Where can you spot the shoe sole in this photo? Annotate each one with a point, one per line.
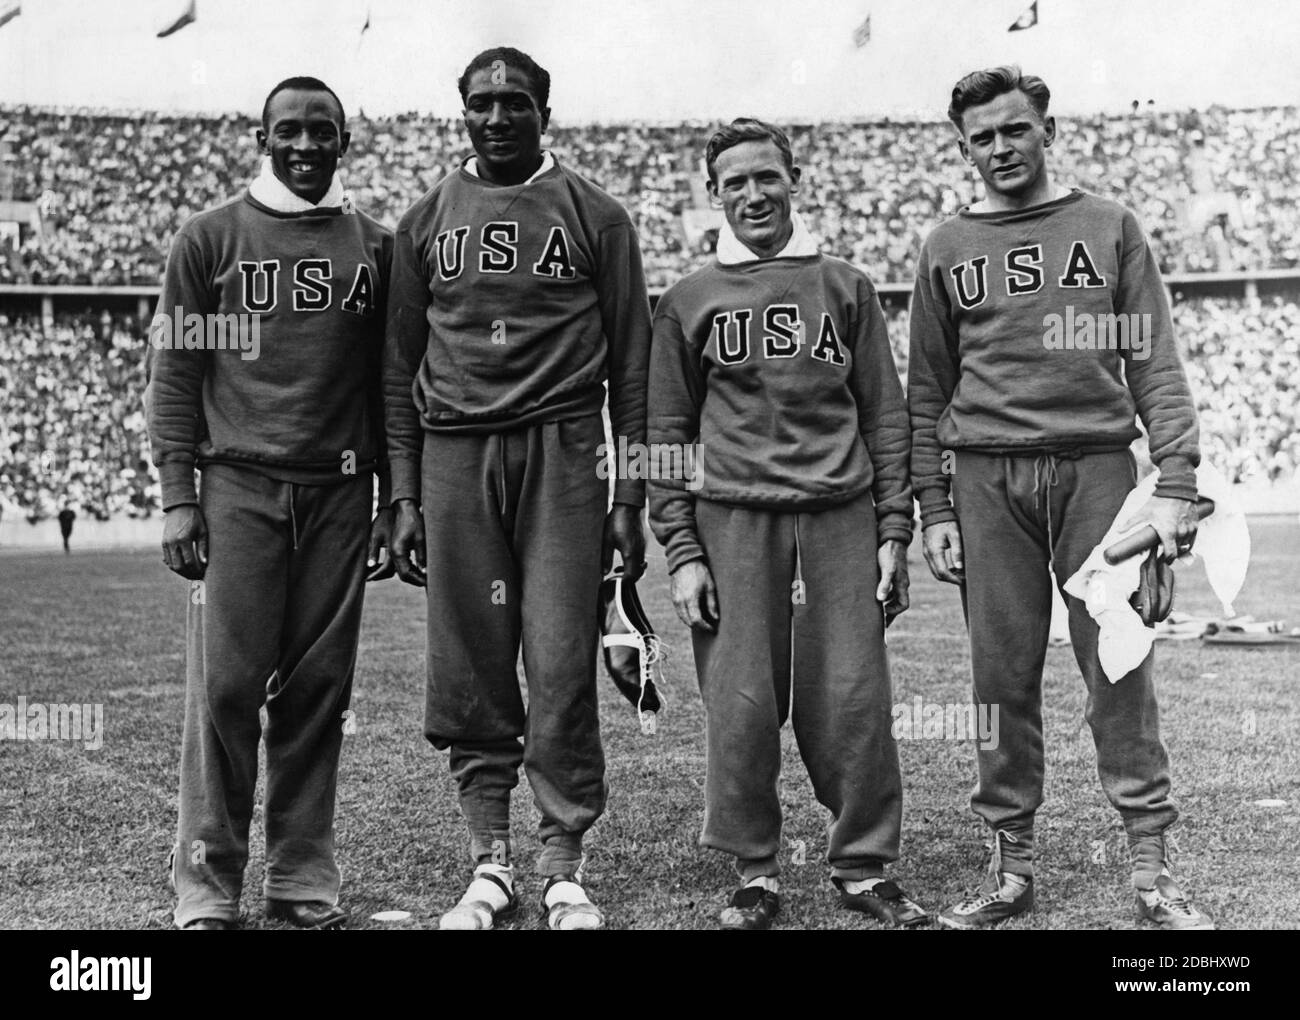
(1207, 926)
(554, 918)
(333, 923)
(951, 922)
(744, 923)
(495, 920)
(725, 926)
(884, 916)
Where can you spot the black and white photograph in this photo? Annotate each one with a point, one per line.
(650, 464)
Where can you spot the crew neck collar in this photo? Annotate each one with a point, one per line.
(1073, 195)
(470, 166)
(273, 193)
(733, 252)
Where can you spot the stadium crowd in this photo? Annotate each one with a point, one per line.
(112, 189)
(1243, 363)
(72, 427)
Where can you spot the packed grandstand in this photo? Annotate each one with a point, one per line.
(1216, 191)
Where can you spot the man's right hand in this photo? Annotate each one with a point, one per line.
(407, 544)
(185, 541)
(695, 597)
(942, 546)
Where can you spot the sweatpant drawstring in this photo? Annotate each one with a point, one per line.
(1045, 471)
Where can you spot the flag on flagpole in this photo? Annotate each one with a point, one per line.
(361, 36)
(862, 34)
(9, 11)
(191, 13)
(1028, 19)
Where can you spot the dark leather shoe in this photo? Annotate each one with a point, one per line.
(312, 914)
(885, 902)
(210, 924)
(752, 909)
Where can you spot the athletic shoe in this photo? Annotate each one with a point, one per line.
(884, 901)
(573, 915)
(1166, 906)
(474, 912)
(314, 914)
(211, 924)
(752, 909)
(1000, 896)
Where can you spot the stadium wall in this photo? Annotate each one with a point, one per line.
(30, 297)
(16, 532)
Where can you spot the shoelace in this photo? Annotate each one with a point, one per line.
(995, 862)
(972, 903)
(656, 653)
(1178, 904)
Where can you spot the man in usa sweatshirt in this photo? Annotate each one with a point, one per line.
(1040, 333)
(517, 294)
(788, 550)
(265, 356)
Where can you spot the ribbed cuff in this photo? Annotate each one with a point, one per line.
(630, 491)
(936, 507)
(682, 548)
(177, 478)
(404, 479)
(894, 527)
(1177, 479)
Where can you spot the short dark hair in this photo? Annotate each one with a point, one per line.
(538, 76)
(746, 129)
(306, 84)
(980, 87)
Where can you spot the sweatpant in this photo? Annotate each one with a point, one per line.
(513, 524)
(1017, 514)
(275, 621)
(801, 635)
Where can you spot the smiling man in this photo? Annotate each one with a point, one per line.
(275, 540)
(791, 558)
(517, 294)
(1041, 435)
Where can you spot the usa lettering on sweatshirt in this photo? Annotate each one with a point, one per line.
(781, 370)
(512, 306)
(992, 368)
(307, 408)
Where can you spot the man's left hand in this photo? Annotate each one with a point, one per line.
(379, 561)
(1175, 522)
(624, 532)
(892, 590)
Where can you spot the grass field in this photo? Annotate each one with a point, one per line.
(84, 833)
